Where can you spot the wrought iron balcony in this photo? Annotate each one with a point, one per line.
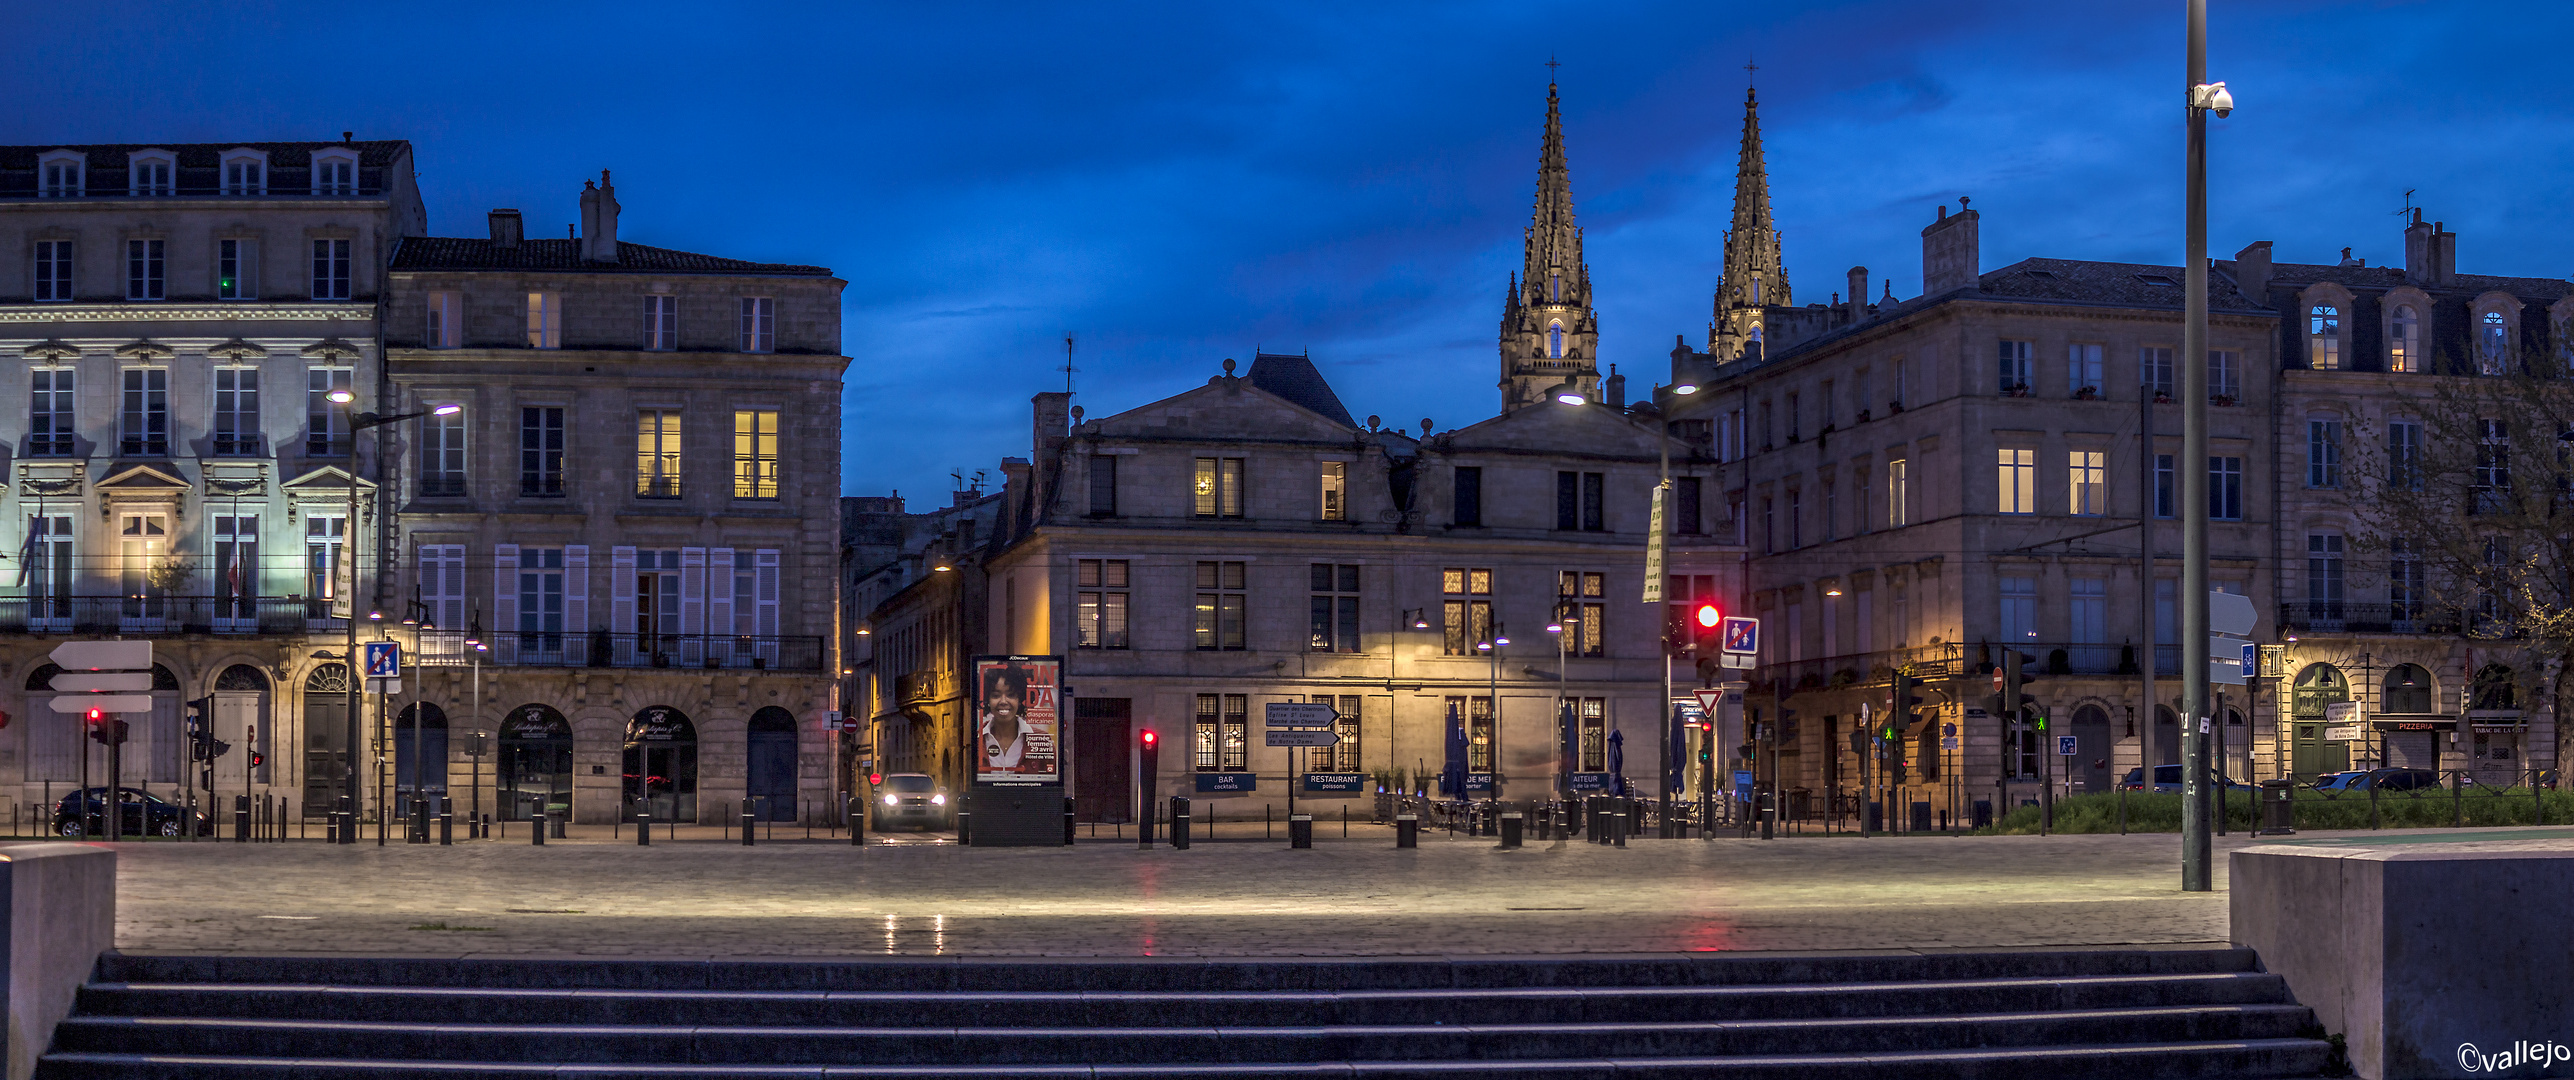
(154, 614)
(2343, 617)
(600, 648)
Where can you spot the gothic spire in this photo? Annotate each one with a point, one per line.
(1554, 242)
(1754, 277)
(1549, 333)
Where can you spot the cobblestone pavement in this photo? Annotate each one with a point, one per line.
(1354, 897)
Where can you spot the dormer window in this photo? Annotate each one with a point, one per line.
(334, 172)
(2493, 344)
(152, 172)
(58, 174)
(2404, 345)
(2324, 337)
(245, 172)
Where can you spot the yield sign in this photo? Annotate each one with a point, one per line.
(1707, 699)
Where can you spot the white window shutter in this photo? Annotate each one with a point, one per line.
(719, 601)
(451, 575)
(765, 591)
(692, 606)
(504, 603)
(576, 604)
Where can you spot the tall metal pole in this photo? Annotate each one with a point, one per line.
(2196, 870)
(357, 675)
(2146, 758)
(1662, 735)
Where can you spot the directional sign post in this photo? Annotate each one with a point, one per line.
(1302, 737)
(1299, 723)
(107, 677)
(1298, 714)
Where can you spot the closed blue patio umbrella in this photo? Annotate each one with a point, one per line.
(1452, 773)
(1618, 760)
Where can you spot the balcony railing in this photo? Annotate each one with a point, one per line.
(239, 445)
(600, 648)
(147, 614)
(1826, 672)
(2341, 617)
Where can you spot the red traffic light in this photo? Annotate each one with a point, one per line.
(1151, 737)
(96, 715)
(1707, 616)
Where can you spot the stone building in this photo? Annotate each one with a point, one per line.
(635, 515)
(177, 316)
(1550, 335)
(2371, 359)
(910, 616)
(1922, 484)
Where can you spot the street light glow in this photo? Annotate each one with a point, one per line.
(446, 410)
(341, 397)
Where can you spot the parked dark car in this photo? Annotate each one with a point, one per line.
(2167, 778)
(910, 800)
(83, 812)
(2383, 780)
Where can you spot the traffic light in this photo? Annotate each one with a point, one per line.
(1703, 627)
(1907, 698)
(2008, 681)
(1149, 747)
(257, 759)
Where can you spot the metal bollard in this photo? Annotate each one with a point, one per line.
(965, 828)
(1510, 830)
(750, 818)
(1300, 830)
(536, 829)
(1618, 821)
(1068, 822)
(643, 827)
(1180, 823)
(1407, 830)
(241, 819)
(446, 822)
(857, 822)
(1144, 824)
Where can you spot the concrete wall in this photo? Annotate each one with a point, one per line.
(61, 900)
(2430, 958)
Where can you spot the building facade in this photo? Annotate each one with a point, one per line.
(627, 537)
(178, 318)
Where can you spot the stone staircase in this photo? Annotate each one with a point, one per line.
(2112, 1014)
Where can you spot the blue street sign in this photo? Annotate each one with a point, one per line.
(1592, 781)
(1742, 783)
(383, 660)
(1336, 781)
(1741, 635)
(1479, 781)
(1228, 783)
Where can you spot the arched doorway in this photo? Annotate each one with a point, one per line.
(419, 755)
(534, 773)
(326, 738)
(769, 785)
(240, 717)
(2091, 735)
(661, 765)
(2317, 746)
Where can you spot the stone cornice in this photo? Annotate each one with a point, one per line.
(133, 313)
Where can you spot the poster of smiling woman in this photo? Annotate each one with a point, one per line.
(1017, 719)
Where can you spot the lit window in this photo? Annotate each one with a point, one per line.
(2324, 337)
(1899, 501)
(1218, 487)
(657, 453)
(1335, 482)
(1555, 339)
(2018, 477)
(2087, 473)
(2493, 345)
(2404, 347)
(544, 320)
(755, 454)
(1333, 608)
(1222, 607)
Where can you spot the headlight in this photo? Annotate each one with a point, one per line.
(938, 800)
(889, 800)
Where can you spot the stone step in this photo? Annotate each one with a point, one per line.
(1177, 974)
(1143, 1009)
(2255, 1058)
(300, 1038)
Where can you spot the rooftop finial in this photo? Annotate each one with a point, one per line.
(1551, 65)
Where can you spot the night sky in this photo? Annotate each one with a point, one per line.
(1179, 184)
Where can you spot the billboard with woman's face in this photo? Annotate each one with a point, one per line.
(1017, 719)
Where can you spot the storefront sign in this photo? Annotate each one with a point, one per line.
(661, 723)
(1479, 781)
(2443, 724)
(1592, 781)
(2350, 733)
(1353, 783)
(1228, 783)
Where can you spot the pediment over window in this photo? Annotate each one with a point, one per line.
(52, 349)
(145, 350)
(143, 482)
(329, 480)
(237, 349)
(330, 348)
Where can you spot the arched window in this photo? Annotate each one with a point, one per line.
(2408, 690)
(1555, 340)
(2404, 348)
(1756, 288)
(2493, 345)
(2324, 338)
(1555, 286)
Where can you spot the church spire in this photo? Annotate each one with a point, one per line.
(1548, 332)
(1754, 277)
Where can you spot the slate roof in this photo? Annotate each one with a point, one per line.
(1295, 378)
(2387, 277)
(433, 253)
(281, 155)
(2140, 285)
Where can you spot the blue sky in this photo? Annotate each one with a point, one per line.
(1178, 184)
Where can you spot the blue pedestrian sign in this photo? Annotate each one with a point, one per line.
(383, 660)
(1741, 635)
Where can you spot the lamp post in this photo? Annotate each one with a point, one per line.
(358, 422)
(1417, 619)
(2203, 97)
(1492, 647)
(1662, 731)
(1562, 627)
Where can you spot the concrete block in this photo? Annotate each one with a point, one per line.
(2433, 959)
(61, 900)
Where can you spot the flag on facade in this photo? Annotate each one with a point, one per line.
(343, 590)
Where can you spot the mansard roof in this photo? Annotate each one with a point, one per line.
(281, 155)
(437, 253)
(2387, 277)
(2081, 281)
(1295, 378)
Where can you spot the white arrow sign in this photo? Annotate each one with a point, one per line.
(1302, 737)
(115, 703)
(2231, 615)
(103, 656)
(103, 682)
(1299, 714)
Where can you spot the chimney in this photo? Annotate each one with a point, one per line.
(1950, 260)
(1613, 390)
(1858, 295)
(505, 228)
(2252, 270)
(2444, 253)
(599, 220)
(1053, 410)
(2417, 250)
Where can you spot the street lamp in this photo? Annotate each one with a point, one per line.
(358, 422)
(1566, 393)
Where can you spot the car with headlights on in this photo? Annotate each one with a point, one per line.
(911, 801)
